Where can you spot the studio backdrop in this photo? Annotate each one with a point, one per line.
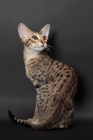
(71, 36)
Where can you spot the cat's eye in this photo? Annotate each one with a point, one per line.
(44, 37)
(35, 37)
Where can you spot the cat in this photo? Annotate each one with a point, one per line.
(55, 82)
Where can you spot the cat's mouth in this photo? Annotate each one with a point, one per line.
(42, 45)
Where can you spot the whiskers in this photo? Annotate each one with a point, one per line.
(50, 50)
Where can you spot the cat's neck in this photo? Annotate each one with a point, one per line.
(30, 54)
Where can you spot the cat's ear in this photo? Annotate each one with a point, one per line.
(45, 29)
(23, 31)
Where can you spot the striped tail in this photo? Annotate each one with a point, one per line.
(46, 124)
(20, 121)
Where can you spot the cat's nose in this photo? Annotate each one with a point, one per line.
(42, 41)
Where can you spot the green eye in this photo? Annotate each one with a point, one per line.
(44, 37)
(35, 37)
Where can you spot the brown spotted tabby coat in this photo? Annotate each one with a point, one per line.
(55, 82)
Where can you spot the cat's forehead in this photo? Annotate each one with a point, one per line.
(38, 33)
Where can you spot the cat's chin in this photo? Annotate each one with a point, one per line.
(40, 48)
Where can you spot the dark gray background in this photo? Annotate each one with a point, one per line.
(71, 35)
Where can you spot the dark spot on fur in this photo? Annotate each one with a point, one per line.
(38, 80)
(54, 99)
(61, 85)
(57, 74)
(46, 102)
(67, 68)
(58, 66)
(54, 85)
(37, 86)
(42, 100)
(57, 63)
(51, 78)
(52, 105)
(43, 71)
(68, 76)
(61, 75)
(31, 63)
(64, 80)
(44, 110)
(67, 71)
(58, 80)
(33, 77)
(37, 68)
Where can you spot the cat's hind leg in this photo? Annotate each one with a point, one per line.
(35, 117)
(66, 119)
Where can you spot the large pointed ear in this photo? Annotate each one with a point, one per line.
(45, 29)
(23, 31)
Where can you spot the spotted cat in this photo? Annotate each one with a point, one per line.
(55, 82)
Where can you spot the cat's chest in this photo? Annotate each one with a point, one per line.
(36, 70)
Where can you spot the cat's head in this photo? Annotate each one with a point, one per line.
(32, 40)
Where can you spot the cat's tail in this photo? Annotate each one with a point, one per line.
(46, 124)
(20, 121)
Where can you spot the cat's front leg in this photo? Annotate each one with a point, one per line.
(36, 83)
(35, 117)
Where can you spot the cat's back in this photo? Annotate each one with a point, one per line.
(59, 70)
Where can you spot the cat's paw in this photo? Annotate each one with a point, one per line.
(65, 125)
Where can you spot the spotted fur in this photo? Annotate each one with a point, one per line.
(56, 85)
